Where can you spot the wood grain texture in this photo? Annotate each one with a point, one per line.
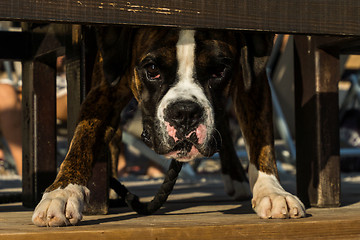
(292, 16)
(39, 133)
(316, 111)
(201, 211)
(39, 113)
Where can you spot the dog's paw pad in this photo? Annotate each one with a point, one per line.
(278, 206)
(61, 207)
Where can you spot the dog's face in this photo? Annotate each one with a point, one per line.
(181, 79)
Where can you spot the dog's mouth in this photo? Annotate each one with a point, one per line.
(184, 151)
(186, 148)
(183, 147)
(182, 144)
(191, 145)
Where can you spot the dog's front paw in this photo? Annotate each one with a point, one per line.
(278, 205)
(270, 200)
(61, 207)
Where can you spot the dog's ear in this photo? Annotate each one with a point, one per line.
(115, 45)
(255, 49)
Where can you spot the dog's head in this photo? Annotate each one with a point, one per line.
(181, 79)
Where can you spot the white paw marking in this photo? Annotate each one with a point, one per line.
(61, 207)
(237, 190)
(270, 200)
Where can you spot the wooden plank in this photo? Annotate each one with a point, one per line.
(347, 229)
(194, 211)
(291, 16)
(317, 126)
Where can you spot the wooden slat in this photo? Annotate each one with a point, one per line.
(292, 16)
(194, 211)
(347, 229)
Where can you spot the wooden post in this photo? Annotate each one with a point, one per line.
(317, 125)
(39, 116)
(81, 50)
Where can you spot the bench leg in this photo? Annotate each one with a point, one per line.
(317, 73)
(39, 121)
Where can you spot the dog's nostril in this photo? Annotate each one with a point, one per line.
(178, 115)
(197, 113)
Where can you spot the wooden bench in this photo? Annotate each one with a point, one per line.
(323, 29)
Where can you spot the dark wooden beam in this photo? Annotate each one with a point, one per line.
(39, 118)
(317, 73)
(291, 16)
(75, 79)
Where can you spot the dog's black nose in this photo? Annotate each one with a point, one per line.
(184, 116)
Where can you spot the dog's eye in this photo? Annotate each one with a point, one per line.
(153, 72)
(218, 72)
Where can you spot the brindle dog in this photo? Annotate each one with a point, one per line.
(181, 79)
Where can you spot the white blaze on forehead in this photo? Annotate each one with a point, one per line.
(186, 88)
(185, 53)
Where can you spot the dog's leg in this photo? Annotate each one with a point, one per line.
(63, 202)
(115, 151)
(252, 100)
(234, 177)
